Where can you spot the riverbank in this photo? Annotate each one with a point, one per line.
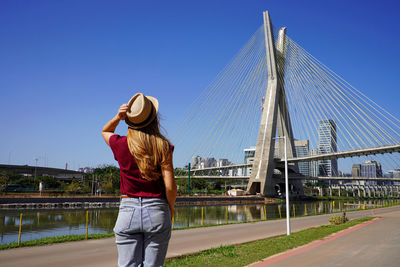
(37, 202)
(319, 198)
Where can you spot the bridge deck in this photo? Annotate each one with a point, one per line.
(350, 153)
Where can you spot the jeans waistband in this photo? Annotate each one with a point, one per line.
(128, 199)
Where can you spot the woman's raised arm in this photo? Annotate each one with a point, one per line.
(109, 128)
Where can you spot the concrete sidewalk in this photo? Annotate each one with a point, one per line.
(103, 252)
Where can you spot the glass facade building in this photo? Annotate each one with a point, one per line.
(302, 150)
(327, 143)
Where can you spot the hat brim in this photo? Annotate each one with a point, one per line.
(153, 114)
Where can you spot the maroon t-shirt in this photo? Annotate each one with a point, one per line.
(132, 183)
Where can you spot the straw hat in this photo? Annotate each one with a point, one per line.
(142, 110)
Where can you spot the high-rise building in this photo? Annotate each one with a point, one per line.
(302, 150)
(314, 171)
(223, 162)
(208, 162)
(327, 143)
(371, 169)
(249, 158)
(356, 170)
(201, 163)
(396, 173)
(196, 162)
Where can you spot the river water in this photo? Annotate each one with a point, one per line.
(57, 222)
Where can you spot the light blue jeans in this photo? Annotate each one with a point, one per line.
(142, 231)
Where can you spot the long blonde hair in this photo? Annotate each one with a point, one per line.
(150, 149)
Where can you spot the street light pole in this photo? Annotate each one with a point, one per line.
(188, 187)
(287, 192)
(286, 187)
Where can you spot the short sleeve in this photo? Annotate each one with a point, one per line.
(114, 144)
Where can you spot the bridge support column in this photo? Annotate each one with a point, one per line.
(321, 191)
(274, 119)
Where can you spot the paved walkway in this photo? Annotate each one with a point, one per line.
(102, 252)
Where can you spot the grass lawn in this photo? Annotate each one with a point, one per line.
(244, 254)
(52, 240)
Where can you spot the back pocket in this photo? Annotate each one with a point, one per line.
(124, 219)
(160, 217)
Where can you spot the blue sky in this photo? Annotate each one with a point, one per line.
(66, 66)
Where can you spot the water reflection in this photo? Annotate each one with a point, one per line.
(44, 223)
(39, 224)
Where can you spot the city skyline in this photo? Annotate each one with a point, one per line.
(302, 147)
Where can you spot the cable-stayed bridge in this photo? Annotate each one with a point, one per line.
(271, 89)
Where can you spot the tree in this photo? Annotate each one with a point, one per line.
(49, 182)
(106, 177)
(108, 187)
(76, 187)
(199, 183)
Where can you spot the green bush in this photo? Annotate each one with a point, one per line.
(76, 187)
(336, 220)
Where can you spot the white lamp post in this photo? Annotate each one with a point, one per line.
(286, 188)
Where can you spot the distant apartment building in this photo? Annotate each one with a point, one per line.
(314, 169)
(396, 173)
(371, 169)
(196, 162)
(208, 162)
(223, 162)
(201, 163)
(86, 170)
(356, 170)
